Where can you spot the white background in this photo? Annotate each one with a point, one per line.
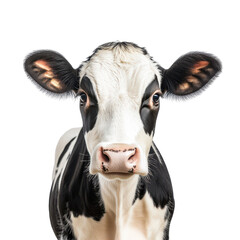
(198, 138)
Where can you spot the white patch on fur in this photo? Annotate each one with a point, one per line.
(119, 77)
(66, 137)
(122, 220)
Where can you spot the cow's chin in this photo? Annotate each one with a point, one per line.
(117, 176)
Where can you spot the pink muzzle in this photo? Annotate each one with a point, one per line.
(119, 158)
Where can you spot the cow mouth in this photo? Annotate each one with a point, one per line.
(114, 174)
(120, 175)
(117, 175)
(106, 170)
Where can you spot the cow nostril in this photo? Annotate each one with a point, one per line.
(130, 159)
(105, 156)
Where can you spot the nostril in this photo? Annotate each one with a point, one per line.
(131, 159)
(105, 156)
(131, 156)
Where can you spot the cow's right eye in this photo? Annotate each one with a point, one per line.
(156, 98)
(83, 98)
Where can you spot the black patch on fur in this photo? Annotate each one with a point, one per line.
(79, 192)
(89, 114)
(148, 115)
(53, 211)
(64, 151)
(158, 184)
(60, 223)
(60, 67)
(182, 69)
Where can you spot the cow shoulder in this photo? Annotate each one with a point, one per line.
(64, 140)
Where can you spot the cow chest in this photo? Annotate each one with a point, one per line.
(142, 221)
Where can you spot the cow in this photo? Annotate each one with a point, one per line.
(110, 181)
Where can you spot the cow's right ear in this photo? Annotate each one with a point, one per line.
(51, 71)
(190, 73)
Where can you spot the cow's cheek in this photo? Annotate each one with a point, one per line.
(92, 139)
(144, 140)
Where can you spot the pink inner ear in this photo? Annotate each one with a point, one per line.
(199, 65)
(47, 78)
(42, 64)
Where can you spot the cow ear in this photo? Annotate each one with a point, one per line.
(51, 71)
(190, 73)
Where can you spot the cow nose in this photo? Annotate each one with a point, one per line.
(119, 158)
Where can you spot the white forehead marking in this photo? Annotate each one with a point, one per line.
(120, 72)
(119, 76)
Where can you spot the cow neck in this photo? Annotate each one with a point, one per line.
(118, 195)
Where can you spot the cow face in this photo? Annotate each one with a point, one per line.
(119, 88)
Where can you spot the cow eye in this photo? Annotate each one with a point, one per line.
(83, 98)
(155, 98)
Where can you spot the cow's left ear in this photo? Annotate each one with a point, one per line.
(51, 71)
(190, 73)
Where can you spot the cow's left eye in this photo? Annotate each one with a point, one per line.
(83, 98)
(155, 98)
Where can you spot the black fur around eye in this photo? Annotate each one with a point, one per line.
(155, 98)
(83, 98)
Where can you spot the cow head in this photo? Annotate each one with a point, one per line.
(119, 87)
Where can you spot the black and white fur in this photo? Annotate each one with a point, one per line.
(120, 84)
